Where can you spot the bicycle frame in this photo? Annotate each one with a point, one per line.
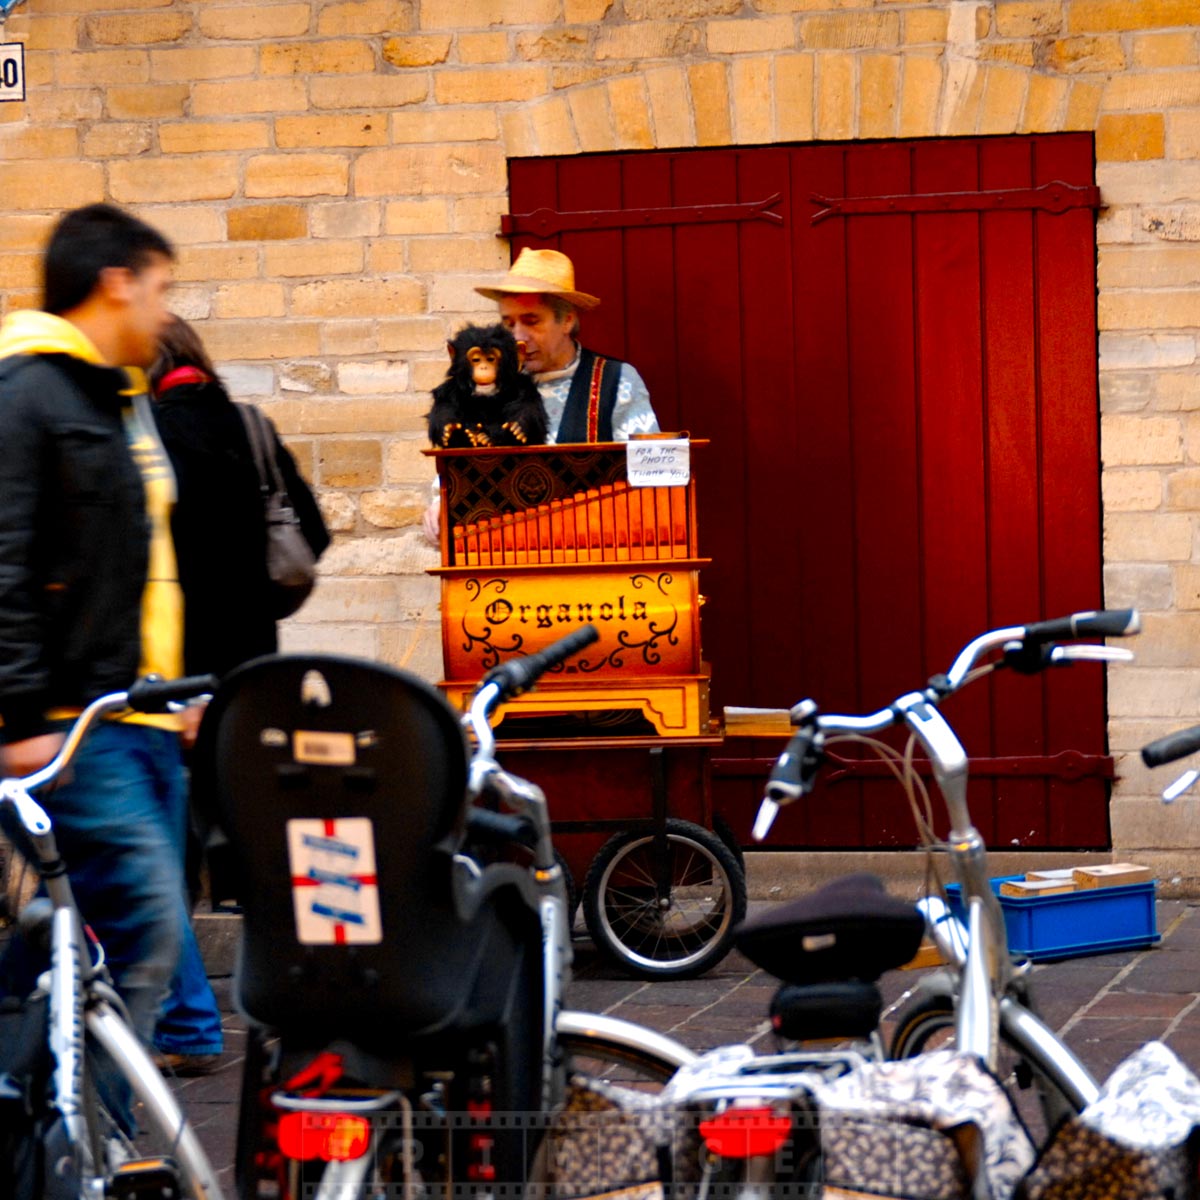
(82, 1002)
(981, 983)
(528, 800)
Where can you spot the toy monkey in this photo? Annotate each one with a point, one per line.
(486, 399)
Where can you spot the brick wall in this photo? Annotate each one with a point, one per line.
(334, 173)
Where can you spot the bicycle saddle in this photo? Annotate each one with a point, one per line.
(849, 929)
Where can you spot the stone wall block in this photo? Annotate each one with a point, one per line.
(1132, 490)
(754, 35)
(278, 175)
(249, 97)
(356, 297)
(1124, 351)
(393, 508)
(188, 177)
(345, 57)
(1136, 441)
(753, 112)
(669, 110)
(1144, 537)
(372, 378)
(1148, 587)
(207, 137)
(253, 22)
(417, 50)
(630, 113)
(794, 96)
(364, 17)
(267, 222)
(1130, 137)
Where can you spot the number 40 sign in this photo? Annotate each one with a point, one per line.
(12, 71)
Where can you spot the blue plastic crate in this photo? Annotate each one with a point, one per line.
(1088, 921)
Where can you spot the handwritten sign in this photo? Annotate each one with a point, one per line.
(12, 71)
(665, 462)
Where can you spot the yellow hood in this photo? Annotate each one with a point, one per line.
(29, 332)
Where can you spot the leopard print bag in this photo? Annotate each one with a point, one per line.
(614, 1143)
(1137, 1141)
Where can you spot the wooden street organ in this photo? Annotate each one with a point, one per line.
(538, 540)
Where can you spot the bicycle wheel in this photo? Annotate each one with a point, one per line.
(115, 1055)
(928, 1024)
(601, 1057)
(668, 919)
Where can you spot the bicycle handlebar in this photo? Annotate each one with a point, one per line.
(520, 674)
(153, 695)
(1113, 622)
(1175, 745)
(149, 694)
(1028, 648)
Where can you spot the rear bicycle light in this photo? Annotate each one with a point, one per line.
(746, 1132)
(331, 1137)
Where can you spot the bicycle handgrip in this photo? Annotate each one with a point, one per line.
(519, 674)
(791, 776)
(488, 826)
(1113, 622)
(151, 694)
(1175, 745)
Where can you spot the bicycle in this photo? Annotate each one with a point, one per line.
(404, 942)
(82, 1150)
(982, 995)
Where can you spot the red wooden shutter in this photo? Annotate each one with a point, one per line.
(901, 397)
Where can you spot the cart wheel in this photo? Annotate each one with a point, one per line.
(672, 936)
(572, 888)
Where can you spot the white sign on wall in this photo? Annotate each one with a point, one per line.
(12, 71)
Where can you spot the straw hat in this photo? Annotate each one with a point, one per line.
(540, 272)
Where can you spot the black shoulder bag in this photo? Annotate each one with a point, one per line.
(291, 564)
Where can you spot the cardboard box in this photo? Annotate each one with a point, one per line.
(1111, 875)
(1059, 873)
(1037, 887)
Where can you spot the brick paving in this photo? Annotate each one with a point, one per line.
(1104, 1006)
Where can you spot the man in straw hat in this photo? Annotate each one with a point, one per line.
(588, 398)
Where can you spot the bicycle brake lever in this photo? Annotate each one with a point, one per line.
(768, 810)
(1064, 654)
(29, 812)
(1181, 785)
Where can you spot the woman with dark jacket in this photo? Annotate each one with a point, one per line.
(218, 525)
(220, 534)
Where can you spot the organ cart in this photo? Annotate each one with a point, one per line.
(536, 541)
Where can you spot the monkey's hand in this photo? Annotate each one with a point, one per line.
(448, 431)
(514, 427)
(479, 436)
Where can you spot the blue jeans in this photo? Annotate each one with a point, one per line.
(120, 825)
(189, 1022)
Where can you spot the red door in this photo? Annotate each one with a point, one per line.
(892, 348)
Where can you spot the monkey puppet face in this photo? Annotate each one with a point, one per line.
(485, 365)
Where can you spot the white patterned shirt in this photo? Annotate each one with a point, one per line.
(632, 412)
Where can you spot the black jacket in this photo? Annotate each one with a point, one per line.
(73, 539)
(219, 530)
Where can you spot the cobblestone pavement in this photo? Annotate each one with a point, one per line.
(1105, 1006)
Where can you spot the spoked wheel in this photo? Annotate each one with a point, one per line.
(571, 889)
(600, 1058)
(928, 1024)
(664, 906)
